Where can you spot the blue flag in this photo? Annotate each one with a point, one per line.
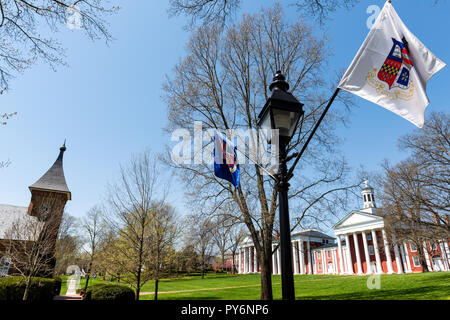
(226, 164)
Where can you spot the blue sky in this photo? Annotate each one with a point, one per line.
(108, 105)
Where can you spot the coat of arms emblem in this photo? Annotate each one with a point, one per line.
(394, 73)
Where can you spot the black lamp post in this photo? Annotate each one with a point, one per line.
(282, 111)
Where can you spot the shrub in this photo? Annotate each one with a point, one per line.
(115, 292)
(13, 288)
(57, 286)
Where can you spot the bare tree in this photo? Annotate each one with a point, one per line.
(68, 244)
(201, 236)
(23, 24)
(131, 202)
(416, 191)
(236, 235)
(164, 231)
(407, 218)
(187, 258)
(223, 82)
(94, 230)
(214, 11)
(221, 11)
(430, 148)
(221, 232)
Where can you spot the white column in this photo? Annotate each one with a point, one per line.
(308, 254)
(402, 253)
(295, 254)
(341, 263)
(255, 261)
(398, 260)
(408, 260)
(349, 256)
(358, 256)
(240, 261)
(377, 252)
(302, 257)
(245, 260)
(427, 257)
(279, 259)
(249, 259)
(274, 262)
(444, 256)
(335, 264)
(447, 250)
(366, 253)
(387, 251)
(322, 254)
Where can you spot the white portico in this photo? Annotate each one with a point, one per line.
(369, 248)
(363, 247)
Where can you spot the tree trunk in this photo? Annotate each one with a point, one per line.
(87, 281)
(138, 284)
(233, 256)
(266, 274)
(27, 288)
(423, 261)
(156, 288)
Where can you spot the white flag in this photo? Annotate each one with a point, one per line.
(392, 68)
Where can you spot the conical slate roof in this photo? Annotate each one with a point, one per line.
(54, 179)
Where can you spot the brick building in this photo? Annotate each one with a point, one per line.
(360, 248)
(49, 196)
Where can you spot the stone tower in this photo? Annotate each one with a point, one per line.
(49, 196)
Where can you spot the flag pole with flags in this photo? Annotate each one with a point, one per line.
(226, 165)
(391, 69)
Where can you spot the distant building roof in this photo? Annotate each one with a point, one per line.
(9, 215)
(312, 233)
(54, 179)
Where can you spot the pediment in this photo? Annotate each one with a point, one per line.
(356, 218)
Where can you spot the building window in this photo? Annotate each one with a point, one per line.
(365, 199)
(369, 236)
(434, 247)
(318, 255)
(320, 266)
(4, 266)
(329, 254)
(371, 251)
(413, 247)
(416, 261)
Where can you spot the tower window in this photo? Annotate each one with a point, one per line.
(365, 199)
(373, 198)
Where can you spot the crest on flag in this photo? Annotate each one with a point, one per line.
(226, 164)
(383, 71)
(397, 59)
(395, 72)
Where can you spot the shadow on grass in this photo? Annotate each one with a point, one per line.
(422, 293)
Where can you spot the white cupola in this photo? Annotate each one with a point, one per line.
(368, 198)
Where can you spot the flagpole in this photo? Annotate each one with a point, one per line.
(290, 172)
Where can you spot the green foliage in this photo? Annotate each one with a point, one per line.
(113, 292)
(41, 289)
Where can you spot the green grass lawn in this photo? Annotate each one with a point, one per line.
(433, 285)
